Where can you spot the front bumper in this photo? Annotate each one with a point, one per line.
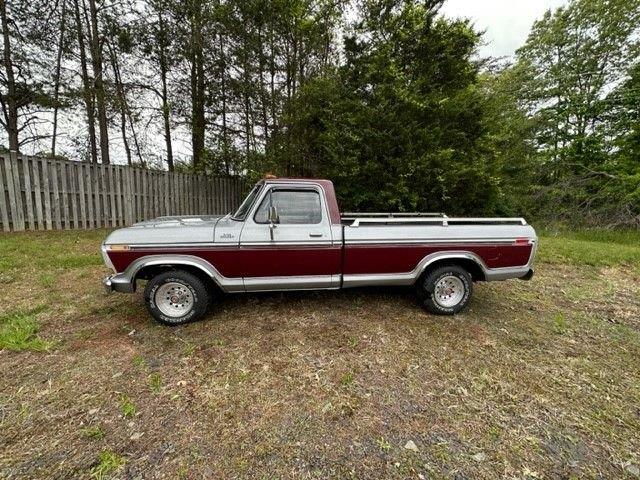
(118, 283)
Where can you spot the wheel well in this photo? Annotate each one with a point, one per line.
(475, 270)
(147, 273)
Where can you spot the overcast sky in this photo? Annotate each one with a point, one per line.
(506, 22)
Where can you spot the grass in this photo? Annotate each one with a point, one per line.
(537, 378)
(108, 462)
(94, 433)
(127, 407)
(594, 248)
(50, 250)
(19, 331)
(155, 382)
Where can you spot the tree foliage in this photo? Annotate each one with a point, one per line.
(400, 125)
(574, 78)
(386, 97)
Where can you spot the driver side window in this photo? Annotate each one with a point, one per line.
(295, 207)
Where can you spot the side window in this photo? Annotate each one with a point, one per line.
(295, 207)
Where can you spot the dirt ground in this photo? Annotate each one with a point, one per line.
(536, 379)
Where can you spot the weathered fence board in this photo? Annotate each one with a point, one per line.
(4, 212)
(46, 194)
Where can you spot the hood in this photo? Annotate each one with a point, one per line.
(167, 230)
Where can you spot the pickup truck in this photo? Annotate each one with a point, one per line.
(288, 234)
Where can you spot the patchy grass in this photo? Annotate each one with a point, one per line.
(94, 433)
(155, 382)
(127, 408)
(108, 463)
(19, 331)
(536, 379)
(50, 250)
(594, 248)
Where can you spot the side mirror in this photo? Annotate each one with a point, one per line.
(273, 215)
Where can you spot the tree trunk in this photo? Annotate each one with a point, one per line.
(223, 88)
(166, 109)
(87, 88)
(96, 60)
(134, 135)
(263, 99)
(56, 88)
(121, 102)
(272, 71)
(197, 90)
(247, 103)
(11, 112)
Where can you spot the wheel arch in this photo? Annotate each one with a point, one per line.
(467, 260)
(147, 267)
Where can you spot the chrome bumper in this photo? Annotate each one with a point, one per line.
(118, 283)
(529, 275)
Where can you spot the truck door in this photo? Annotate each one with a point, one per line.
(295, 250)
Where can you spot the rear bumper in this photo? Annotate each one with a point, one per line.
(118, 283)
(529, 275)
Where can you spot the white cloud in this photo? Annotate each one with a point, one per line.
(506, 22)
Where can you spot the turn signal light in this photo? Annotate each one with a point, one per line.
(119, 248)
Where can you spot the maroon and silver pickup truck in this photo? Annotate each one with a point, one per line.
(288, 234)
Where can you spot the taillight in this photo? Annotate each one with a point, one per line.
(523, 241)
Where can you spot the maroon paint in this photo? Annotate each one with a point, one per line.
(233, 262)
(404, 258)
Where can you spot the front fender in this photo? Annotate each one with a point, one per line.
(126, 280)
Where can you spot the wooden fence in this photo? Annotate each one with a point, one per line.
(46, 194)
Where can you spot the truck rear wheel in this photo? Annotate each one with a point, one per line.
(176, 297)
(445, 290)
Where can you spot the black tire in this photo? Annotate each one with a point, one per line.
(195, 295)
(434, 303)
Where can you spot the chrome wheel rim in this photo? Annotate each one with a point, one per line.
(174, 299)
(449, 291)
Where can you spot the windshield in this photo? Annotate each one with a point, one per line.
(241, 213)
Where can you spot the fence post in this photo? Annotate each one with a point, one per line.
(14, 193)
(3, 201)
(82, 199)
(27, 193)
(37, 192)
(65, 195)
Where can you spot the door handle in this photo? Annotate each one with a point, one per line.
(315, 235)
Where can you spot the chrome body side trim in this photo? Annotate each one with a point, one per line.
(409, 278)
(433, 241)
(126, 280)
(303, 282)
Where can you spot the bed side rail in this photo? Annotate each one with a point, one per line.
(435, 221)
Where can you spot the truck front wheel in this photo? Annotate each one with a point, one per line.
(176, 297)
(445, 290)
